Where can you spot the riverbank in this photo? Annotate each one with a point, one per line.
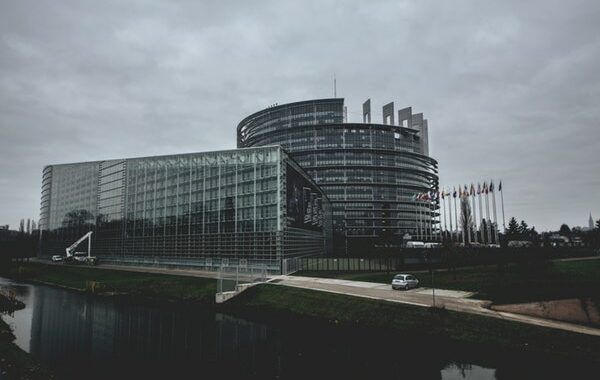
(414, 322)
(9, 302)
(285, 303)
(14, 362)
(149, 287)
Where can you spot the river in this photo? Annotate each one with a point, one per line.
(83, 336)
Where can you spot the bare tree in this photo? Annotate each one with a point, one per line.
(77, 218)
(466, 219)
(28, 226)
(22, 226)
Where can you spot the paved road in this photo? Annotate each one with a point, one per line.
(450, 299)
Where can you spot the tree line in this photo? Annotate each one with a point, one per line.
(521, 231)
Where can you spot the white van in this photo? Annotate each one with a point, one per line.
(415, 244)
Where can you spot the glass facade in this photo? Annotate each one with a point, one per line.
(369, 171)
(248, 206)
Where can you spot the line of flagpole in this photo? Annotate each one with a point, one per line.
(474, 227)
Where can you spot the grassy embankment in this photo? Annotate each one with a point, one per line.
(14, 362)
(284, 303)
(149, 286)
(513, 284)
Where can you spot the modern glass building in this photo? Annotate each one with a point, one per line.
(251, 207)
(370, 171)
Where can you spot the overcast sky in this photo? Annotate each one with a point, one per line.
(511, 89)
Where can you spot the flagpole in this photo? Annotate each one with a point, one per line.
(430, 218)
(502, 199)
(424, 221)
(450, 216)
(416, 217)
(444, 207)
(442, 221)
(421, 231)
(439, 206)
(487, 216)
(495, 216)
(480, 214)
(455, 214)
(422, 215)
(428, 222)
(433, 219)
(474, 213)
(467, 225)
(419, 219)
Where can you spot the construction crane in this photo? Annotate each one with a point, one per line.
(72, 256)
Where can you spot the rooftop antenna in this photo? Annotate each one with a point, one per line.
(334, 86)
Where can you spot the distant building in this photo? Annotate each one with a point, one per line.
(251, 207)
(557, 240)
(4, 227)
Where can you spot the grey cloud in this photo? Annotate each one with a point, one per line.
(510, 88)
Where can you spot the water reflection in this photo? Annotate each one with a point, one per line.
(99, 338)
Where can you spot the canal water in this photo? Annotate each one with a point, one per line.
(82, 336)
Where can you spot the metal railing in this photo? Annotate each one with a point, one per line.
(235, 279)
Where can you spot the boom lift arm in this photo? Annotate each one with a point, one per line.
(70, 249)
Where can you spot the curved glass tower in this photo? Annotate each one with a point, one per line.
(370, 171)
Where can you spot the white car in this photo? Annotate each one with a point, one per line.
(57, 258)
(80, 257)
(404, 281)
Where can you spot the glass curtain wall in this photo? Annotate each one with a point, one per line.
(204, 209)
(369, 171)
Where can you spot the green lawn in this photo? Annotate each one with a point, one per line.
(517, 283)
(147, 285)
(287, 303)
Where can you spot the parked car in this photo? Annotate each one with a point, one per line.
(57, 258)
(80, 257)
(404, 281)
(415, 244)
(520, 244)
